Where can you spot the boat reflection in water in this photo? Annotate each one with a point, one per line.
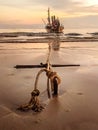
(56, 43)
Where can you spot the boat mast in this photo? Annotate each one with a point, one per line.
(48, 15)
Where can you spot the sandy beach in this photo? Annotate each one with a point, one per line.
(75, 108)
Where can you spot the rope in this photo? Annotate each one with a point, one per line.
(48, 68)
(37, 78)
(33, 103)
(52, 78)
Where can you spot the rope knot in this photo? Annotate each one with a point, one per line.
(53, 75)
(50, 74)
(35, 92)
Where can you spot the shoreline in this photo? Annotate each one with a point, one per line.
(46, 40)
(42, 37)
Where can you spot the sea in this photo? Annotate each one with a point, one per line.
(66, 30)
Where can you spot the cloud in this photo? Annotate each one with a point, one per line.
(56, 4)
(90, 21)
(72, 12)
(66, 6)
(14, 3)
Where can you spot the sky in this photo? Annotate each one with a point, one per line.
(29, 13)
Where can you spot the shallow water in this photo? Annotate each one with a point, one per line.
(76, 52)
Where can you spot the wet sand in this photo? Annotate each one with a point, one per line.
(75, 108)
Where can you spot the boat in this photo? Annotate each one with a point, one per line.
(53, 25)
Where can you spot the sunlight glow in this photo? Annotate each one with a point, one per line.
(92, 2)
(29, 12)
(21, 16)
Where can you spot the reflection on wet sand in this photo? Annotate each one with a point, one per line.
(56, 43)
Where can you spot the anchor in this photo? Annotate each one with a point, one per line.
(52, 78)
(41, 65)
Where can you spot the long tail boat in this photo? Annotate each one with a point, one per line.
(53, 25)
